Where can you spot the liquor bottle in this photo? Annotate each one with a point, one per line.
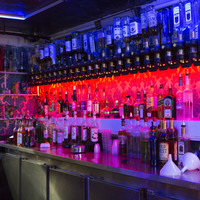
(160, 102)
(145, 141)
(67, 136)
(32, 133)
(74, 130)
(183, 144)
(74, 101)
(79, 113)
(169, 104)
(179, 100)
(151, 103)
(96, 107)
(172, 140)
(128, 107)
(94, 132)
(53, 103)
(130, 137)
(55, 130)
(142, 107)
(178, 43)
(19, 135)
(46, 104)
(115, 110)
(136, 138)
(103, 102)
(163, 145)
(66, 104)
(118, 40)
(136, 106)
(60, 103)
(27, 135)
(85, 128)
(153, 148)
(60, 133)
(122, 137)
(21, 69)
(89, 102)
(106, 111)
(144, 22)
(188, 99)
(83, 99)
(15, 131)
(45, 131)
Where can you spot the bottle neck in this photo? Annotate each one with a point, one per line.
(187, 81)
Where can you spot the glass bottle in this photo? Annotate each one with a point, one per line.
(169, 105)
(60, 133)
(60, 103)
(32, 133)
(94, 132)
(85, 128)
(89, 102)
(55, 130)
(74, 130)
(188, 99)
(145, 141)
(160, 102)
(179, 100)
(142, 107)
(66, 103)
(136, 105)
(83, 99)
(144, 22)
(106, 111)
(173, 140)
(115, 110)
(96, 107)
(15, 131)
(74, 101)
(183, 144)
(79, 113)
(46, 104)
(46, 131)
(67, 136)
(153, 148)
(122, 137)
(163, 145)
(19, 135)
(103, 102)
(130, 137)
(27, 135)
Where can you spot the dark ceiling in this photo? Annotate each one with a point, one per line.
(64, 15)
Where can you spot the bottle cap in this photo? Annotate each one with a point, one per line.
(131, 115)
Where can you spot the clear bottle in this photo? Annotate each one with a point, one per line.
(96, 106)
(89, 102)
(19, 135)
(74, 130)
(122, 137)
(136, 139)
(85, 128)
(60, 133)
(67, 136)
(145, 141)
(142, 106)
(94, 130)
(74, 101)
(55, 129)
(179, 100)
(136, 105)
(130, 137)
(183, 144)
(188, 99)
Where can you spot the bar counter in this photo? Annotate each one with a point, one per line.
(106, 170)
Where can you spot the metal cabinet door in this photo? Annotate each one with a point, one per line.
(11, 165)
(33, 180)
(66, 185)
(102, 190)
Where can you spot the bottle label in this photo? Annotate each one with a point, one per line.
(73, 105)
(84, 135)
(150, 102)
(149, 114)
(136, 111)
(89, 106)
(60, 137)
(83, 105)
(94, 134)
(41, 54)
(181, 151)
(188, 15)
(117, 33)
(46, 52)
(19, 138)
(68, 46)
(74, 44)
(126, 31)
(45, 134)
(167, 108)
(135, 28)
(122, 139)
(144, 21)
(54, 136)
(152, 18)
(176, 15)
(74, 133)
(96, 108)
(163, 151)
(66, 133)
(109, 39)
(92, 44)
(141, 110)
(61, 49)
(85, 43)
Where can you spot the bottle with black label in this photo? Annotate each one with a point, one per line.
(163, 145)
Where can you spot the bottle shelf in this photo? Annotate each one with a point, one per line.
(14, 73)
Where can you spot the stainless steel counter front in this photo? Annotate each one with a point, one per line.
(113, 169)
